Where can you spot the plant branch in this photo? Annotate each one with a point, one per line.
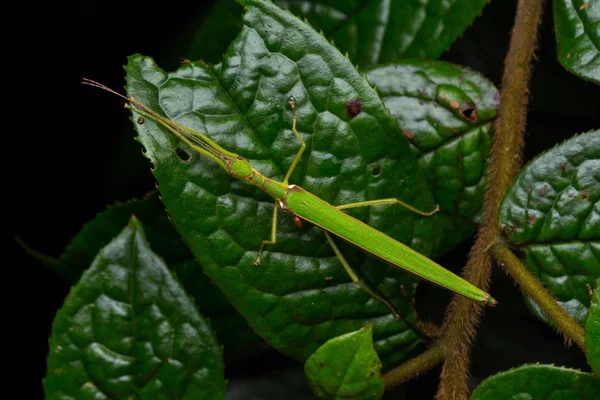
(413, 367)
(463, 315)
(533, 288)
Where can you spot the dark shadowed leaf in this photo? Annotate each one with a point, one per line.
(300, 297)
(577, 24)
(232, 330)
(539, 382)
(372, 32)
(592, 332)
(553, 213)
(128, 330)
(446, 112)
(346, 367)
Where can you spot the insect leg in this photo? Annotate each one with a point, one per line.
(389, 201)
(355, 278)
(273, 235)
(292, 103)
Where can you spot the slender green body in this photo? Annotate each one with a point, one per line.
(301, 203)
(311, 208)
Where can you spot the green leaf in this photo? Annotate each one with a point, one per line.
(577, 24)
(372, 32)
(553, 213)
(539, 382)
(300, 297)
(128, 330)
(446, 111)
(592, 332)
(346, 367)
(232, 330)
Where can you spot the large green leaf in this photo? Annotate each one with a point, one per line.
(539, 382)
(346, 367)
(577, 24)
(232, 330)
(128, 330)
(300, 296)
(372, 32)
(553, 213)
(592, 332)
(446, 111)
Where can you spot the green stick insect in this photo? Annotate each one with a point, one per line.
(306, 206)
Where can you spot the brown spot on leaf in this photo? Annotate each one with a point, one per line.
(544, 191)
(454, 104)
(409, 135)
(353, 108)
(531, 219)
(563, 167)
(583, 6)
(584, 196)
(321, 364)
(329, 278)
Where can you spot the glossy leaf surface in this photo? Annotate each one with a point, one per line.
(446, 112)
(577, 24)
(300, 297)
(346, 367)
(539, 382)
(553, 213)
(232, 330)
(128, 330)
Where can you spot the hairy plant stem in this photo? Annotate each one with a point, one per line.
(413, 367)
(533, 288)
(463, 315)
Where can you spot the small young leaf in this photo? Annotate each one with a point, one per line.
(346, 367)
(372, 32)
(553, 213)
(128, 330)
(577, 24)
(592, 332)
(446, 112)
(539, 382)
(232, 330)
(300, 296)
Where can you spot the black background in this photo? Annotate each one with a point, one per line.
(71, 152)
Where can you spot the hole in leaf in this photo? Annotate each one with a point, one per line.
(469, 112)
(376, 171)
(140, 120)
(182, 154)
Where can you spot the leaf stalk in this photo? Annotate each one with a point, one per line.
(533, 288)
